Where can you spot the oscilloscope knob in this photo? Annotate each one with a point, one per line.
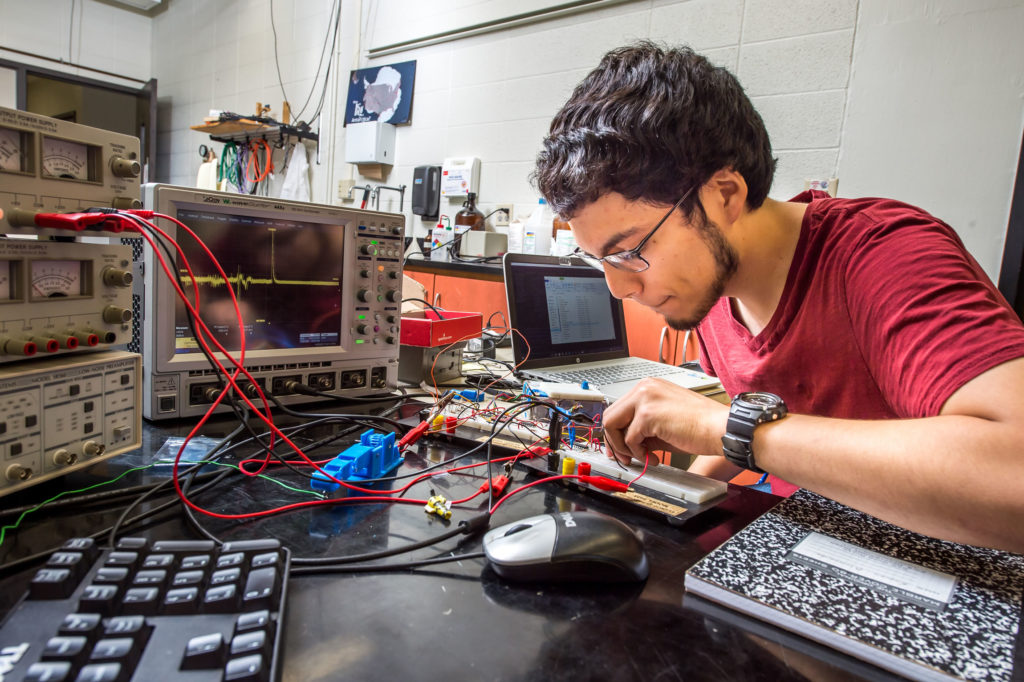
(397, 229)
(364, 295)
(391, 340)
(365, 274)
(393, 274)
(368, 250)
(394, 295)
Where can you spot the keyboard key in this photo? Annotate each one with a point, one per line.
(73, 561)
(191, 546)
(83, 624)
(260, 588)
(266, 559)
(117, 575)
(249, 643)
(199, 561)
(132, 544)
(158, 561)
(181, 601)
(115, 650)
(204, 651)
(229, 560)
(73, 649)
(125, 559)
(187, 578)
(52, 583)
(227, 575)
(98, 598)
(49, 671)
(126, 626)
(100, 672)
(142, 601)
(245, 669)
(221, 599)
(252, 546)
(257, 620)
(154, 578)
(86, 546)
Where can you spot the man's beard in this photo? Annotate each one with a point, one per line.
(726, 262)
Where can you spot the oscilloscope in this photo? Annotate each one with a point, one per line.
(320, 289)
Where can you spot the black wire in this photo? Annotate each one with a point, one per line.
(436, 310)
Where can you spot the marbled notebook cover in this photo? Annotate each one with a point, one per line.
(972, 637)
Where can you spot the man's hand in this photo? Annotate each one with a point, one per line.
(658, 415)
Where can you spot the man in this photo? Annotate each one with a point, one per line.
(901, 365)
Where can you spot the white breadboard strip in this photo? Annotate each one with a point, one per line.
(676, 483)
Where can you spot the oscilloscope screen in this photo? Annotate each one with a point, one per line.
(286, 275)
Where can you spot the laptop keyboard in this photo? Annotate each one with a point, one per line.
(150, 611)
(612, 374)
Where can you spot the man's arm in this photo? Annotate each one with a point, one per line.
(958, 476)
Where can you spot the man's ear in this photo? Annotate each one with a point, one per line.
(727, 190)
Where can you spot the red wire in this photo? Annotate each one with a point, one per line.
(647, 460)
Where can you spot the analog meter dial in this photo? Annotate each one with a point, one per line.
(6, 289)
(12, 151)
(57, 278)
(65, 159)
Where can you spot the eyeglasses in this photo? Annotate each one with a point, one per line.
(630, 260)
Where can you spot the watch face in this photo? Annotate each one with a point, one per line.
(762, 399)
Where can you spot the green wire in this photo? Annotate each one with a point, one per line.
(14, 526)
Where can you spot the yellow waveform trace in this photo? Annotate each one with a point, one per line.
(241, 281)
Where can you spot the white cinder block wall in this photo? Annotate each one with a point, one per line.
(921, 100)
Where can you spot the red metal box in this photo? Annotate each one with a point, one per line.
(427, 329)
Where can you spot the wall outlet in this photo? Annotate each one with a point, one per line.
(502, 215)
(345, 189)
(831, 185)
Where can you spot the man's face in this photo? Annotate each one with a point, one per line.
(690, 264)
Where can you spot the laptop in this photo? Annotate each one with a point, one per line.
(576, 329)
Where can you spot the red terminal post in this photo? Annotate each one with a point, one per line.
(450, 424)
(18, 347)
(583, 469)
(88, 338)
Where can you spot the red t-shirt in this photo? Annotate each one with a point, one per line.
(884, 315)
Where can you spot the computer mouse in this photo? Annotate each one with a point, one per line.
(578, 546)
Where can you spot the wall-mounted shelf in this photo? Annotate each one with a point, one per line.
(243, 129)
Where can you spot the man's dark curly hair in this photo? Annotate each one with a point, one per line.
(650, 123)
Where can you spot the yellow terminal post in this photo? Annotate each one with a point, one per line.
(568, 466)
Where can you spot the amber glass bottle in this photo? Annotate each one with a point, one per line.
(469, 218)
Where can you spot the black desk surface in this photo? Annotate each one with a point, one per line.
(458, 621)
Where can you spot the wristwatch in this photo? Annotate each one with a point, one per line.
(747, 411)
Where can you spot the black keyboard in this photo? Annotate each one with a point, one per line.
(150, 611)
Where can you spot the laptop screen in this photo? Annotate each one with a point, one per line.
(564, 309)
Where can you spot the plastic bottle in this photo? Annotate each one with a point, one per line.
(537, 230)
(438, 247)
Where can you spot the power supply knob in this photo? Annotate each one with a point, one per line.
(125, 168)
(126, 203)
(364, 295)
(113, 314)
(116, 277)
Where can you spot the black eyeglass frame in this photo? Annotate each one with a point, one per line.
(617, 260)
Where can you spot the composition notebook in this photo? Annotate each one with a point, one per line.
(920, 607)
(575, 330)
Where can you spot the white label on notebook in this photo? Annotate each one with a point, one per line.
(876, 571)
